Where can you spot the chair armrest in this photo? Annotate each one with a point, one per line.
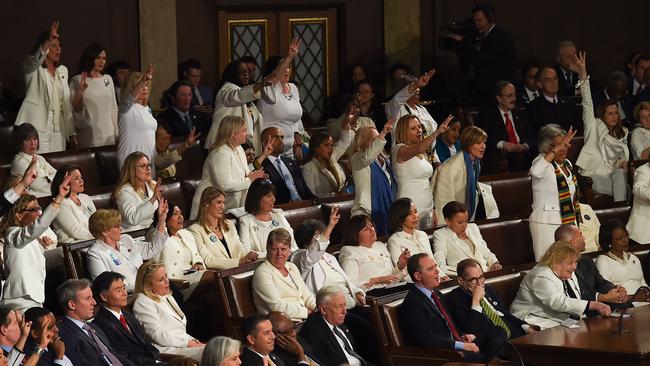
(412, 356)
(181, 284)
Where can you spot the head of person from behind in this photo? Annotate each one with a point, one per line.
(550, 138)
(642, 114)
(307, 231)
(93, 59)
(271, 64)
(260, 198)
(106, 225)
(221, 351)
(571, 234)
(330, 302)
(456, 216)
(152, 281)
(258, 334)
(321, 147)
(470, 274)
(110, 291)
(562, 258)
(76, 299)
(423, 271)
(360, 230)
(506, 95)
(472, 140)
(181, 95)
(232, 131)
(613, 237)
(277, 139)
(25, 138)
(278, 248)
(403, 216)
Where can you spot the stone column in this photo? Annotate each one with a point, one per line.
(402, 35)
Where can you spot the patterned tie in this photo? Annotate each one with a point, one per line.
(123, 321)
(348, 347)
(442, 310)
(493, 316)
(288, 180)
(510, 129)
(108, 356)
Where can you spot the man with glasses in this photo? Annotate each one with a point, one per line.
(550, 106)
(289, 347)
(477, 307)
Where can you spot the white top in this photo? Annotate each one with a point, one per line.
(253, 232)
(639, 141)
(41, 187)
(213, 251)
(282, 111)
(137, 131)
(449, 249)
(318, 178)
(179, 254)
(137, 211)
(416, 243)
(414, 181)
(361, 264)
(232, 100)
(546, 202)
(639, 221)
(72, 225)
(626, 272)
(274, 292)
(97, 122)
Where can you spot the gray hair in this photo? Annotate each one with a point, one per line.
(546, 136)
(218, 349)
(68, 291)
(324, 294)
(563, 44)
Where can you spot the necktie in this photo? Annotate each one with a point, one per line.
(442, 310)
(554, 100)
(108, 356)
(510, 129)
(268, 361)
(568, 290)
(197, 94)
(288, 180)
(569, 79)
(187, 120)
(123, 321)
(493, 316)
(346, 343)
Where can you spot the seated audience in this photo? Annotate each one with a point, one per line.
(13, 336)
(460, 240)
(86, 344)
(190, 71)
(448, 144)
(284, 172)
(322, 172)
(216, 238)
(221, 351)
(166, 158)
(566, 76)
(261, 218)
(289, 347)
(369, 103)
(119, 72)
(25, 136)
(644, 94)
(325, 330)
(477, 307)
(616, 91)
(259, 342)
(180, 117)
(412, 156)
(425, 319)
(552, 105)
(640, 136)
(72, 224)
(226, 166)
(351, 112)
(278, 284)
(136, 195)
(161, 317)
(640, 216)
(127, 335)
(528, 91)
(605, 153)
(24, 262)
(367, 261)
(457, 179)
(117, 252)
(637, 84)
(374, 179)
(550, 293)
(43, 342)
(618, 265)
(16, 190)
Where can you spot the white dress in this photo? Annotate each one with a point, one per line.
(282, 111)
(413, 181)
(639, 141)
(137, 131)
(625, 272)
(96, 124)
(46, 172)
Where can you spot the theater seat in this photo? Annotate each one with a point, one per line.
(191, 166)
(7, 145)
(102, 199)
(506, 286)
(84, 159)
(189, 187)
(173, 192)
(513, 193)
(74, 259)
(509, 240)
(345, 209)
(108, 170)
(236, 290)
(295, 217)
(576, 145)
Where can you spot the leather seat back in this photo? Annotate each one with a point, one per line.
(506, 286)
(173, 192)
(74, 258)
(513, 193)
(189, 188)
(108, 168)
(236, 287)
(391, 323)
(7, 144)
(86, 160)
(509, 240)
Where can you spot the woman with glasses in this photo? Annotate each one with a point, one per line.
(72, 225)
(117, 252)
(24, 263)
(136, 194)
(27, 143)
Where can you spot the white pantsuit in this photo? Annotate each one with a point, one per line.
(639, 222)
(41, 187)
(274, 292)
(416, 243)
(178, 255)
(449, 249)
(639, 141)
(362, 175)
(137, 211)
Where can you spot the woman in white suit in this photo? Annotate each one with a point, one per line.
(47, 100)
(163, 321)
(27, 140)
(215, 237)
(550, 292)
(640, 135)
(639, 221)
(556, 194)
(460, 240)
(278, 284)
(605, 153)
(226, 166)
(72, 225)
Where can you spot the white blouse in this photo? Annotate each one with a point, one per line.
(626, 272)
(282, 111)
(96, 124)
(137, 131)
(137, 210)
(41, 187)
(72, 224)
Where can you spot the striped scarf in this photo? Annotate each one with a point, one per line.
(569, 208)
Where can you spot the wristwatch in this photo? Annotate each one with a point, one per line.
(39, 351)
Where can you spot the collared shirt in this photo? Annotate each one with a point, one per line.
(115, 314)
(352, 361)
(458, 346)
(479, 309)
(79, 323)
(531, 94)
(512, 119)
(636, 87)
(274, 160)
(182, 114)
(550, 99)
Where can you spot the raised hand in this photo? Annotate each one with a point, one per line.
(294, 47)
(192, 137)
(64, 188)
(581, 64)
(444, 126)
(387, 127)
(403, 258)
(334, 216)
(54, 30)
(46, 335)
(423, 80)
(351, 117)
(256, 174)
(25, 327)
(149, 72)
(163, 207)
(566, 141)
(30, 174)
(45, 241)
(158, 190)
(83, 85)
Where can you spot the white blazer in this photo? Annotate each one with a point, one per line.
(274, 292)
(448, 249)
(41, 187)
(137, 212)
(639, 221)
(174, 253)
(320, 180)
(101, 257)
(361, 264)
(72, 225)
(253, 233)
(212, 250)
(639, 141)
(24, 262)
(231, 100)
(361, 173)
(546, 204)
(165, 325)
(541, 299)
(416, 243)
(36, 106)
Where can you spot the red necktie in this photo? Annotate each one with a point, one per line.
(450, 324)
(510, 129)
(123, 321)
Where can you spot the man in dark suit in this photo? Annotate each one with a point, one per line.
(259, 342)
(190, 71)
(180, 117)
(528, 90)
(637, 82)
(425, 320)
(284, 173)
(551, 107)
(44, 338)
(507, 128)
(326, 332)
(565, 56)
(289, 347)
(85, 343)
(127, 335)
(616, 90)
(477, 307)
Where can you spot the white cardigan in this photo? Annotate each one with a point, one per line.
(41, 187)
(253, 233)
(320, 180)
(449, 250)
(361, 173)
(274, 292)
(137, 212)
(639, 221)
(212, 250)
(72, 225)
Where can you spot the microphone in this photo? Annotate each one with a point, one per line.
(507, 341)
(628, 304)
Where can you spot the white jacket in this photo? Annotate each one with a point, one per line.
(639, 223)
(212, 250)
(449, 250)
(72, 225)
(171, 255)
(361, 173)
(41, 187)
(320, 180)
(546, 204)
(274, 292)
(137, 212)
(253, 233)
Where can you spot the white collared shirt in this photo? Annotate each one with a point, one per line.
(550, 99)
(503, 119)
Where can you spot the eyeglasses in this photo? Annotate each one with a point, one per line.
(32, 209)
(145, 166)
(475, 280)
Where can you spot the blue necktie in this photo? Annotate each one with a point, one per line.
(288, 180)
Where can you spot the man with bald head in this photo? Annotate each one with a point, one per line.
(284, 173)
(289, 347)
(551, 106)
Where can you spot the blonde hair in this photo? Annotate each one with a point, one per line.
(228, 126)
(640, 107)
(128, 87)
(402, 128)
(362, 138)
(103, 220)
(143, 279)
(127, 175)
(558, 252)
(207, 196)
(472, 135)
(11, 219)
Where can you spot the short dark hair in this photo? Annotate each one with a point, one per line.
(172, 206)
(249, 325)
(540, 71)
(399, 211)
(246, 146)
(316, 140)
(531, 63)
(353, 227)
(176, 85)
(248, 59)
(398, 66)
(90, 53)
(465, 264)
(452, 208)
(104, 281)
(305, 232)
(486, 9)
(60, 175)
(5, 310)
(114, 66)
(231, 74)
(21, 133)
(413, 264)
(164, 124)
(186, 65)
(35, 315)
(642, 57)
(257, 190)
(364, 81)
(607, 231)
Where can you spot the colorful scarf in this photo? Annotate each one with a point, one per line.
(569, 207)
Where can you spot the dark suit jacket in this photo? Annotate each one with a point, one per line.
(206, 94)
(5, 205)
(542, 112)
(491, 120)
(289, 359)
(628, 102)
(470, 321)
(131, 345)
(250, 358)
(199, 121)
(590, 280)
(282, 194)
(81, 349)
(564, 90)
(320, 336)
(494, 61)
